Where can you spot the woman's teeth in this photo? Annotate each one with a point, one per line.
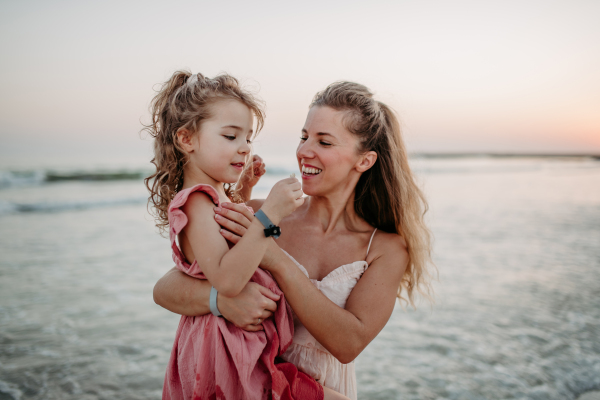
(311, 171)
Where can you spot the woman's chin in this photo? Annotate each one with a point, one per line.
(310, 190)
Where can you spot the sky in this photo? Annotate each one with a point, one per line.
(464, 76)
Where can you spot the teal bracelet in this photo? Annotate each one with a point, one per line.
(213, 302)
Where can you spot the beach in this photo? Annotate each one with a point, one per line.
(516, 313)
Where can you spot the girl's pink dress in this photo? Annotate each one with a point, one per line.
(213, 359)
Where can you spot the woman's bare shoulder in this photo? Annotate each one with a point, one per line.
(389, 246)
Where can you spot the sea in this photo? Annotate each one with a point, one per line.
(516, 313)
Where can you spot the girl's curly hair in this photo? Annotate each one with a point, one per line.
(184, 102)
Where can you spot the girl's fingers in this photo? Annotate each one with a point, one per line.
(231, 226)
(230, 236)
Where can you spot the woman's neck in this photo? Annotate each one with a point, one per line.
(334, 212)
(193, 176)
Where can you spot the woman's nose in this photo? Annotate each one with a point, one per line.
(305, 149)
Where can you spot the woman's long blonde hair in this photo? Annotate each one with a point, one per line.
(386, 195)
(184, 102)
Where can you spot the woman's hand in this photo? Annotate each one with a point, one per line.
(235, 220)
(284, 198)
(250, 308)
(184, 295)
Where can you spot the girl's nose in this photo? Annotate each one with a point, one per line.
(244, 148)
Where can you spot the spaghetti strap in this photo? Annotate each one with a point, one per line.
(370, 241)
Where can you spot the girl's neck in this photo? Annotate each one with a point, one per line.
(334, 212)
(193, 176)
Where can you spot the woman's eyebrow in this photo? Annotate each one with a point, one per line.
(319, 133)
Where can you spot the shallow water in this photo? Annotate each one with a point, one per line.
(517, 312)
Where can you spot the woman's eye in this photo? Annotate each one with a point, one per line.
(325, 143)
(303, 138)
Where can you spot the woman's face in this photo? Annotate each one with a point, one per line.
(328, 153)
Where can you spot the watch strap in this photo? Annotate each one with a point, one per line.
(270, 228)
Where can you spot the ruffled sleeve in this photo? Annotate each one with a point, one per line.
(178, 220)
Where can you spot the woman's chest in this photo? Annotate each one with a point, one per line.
(322, 255)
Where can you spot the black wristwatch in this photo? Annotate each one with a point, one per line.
(270, 228)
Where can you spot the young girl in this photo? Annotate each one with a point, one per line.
(202, 129)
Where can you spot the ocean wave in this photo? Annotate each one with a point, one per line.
(8, 207)
(420, 163)
(40, 177)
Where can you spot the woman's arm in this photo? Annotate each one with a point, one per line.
(344, 332)
(184, 295)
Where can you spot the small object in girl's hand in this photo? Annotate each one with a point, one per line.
(292, 175)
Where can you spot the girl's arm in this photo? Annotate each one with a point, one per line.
(343, 332)
(230, 269)
(184, 295)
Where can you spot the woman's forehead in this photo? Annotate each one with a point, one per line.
(325, 119)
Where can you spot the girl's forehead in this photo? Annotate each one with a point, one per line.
(230, 108)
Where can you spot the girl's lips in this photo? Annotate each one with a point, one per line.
(238, 166)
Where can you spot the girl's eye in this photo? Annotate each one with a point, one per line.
(229, 137)
(248, 141)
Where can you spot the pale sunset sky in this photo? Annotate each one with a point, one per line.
(464, 76)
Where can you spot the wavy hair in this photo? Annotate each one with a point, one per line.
(184, 102)
(386, 195)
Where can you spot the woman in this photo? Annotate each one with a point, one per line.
(360, 236)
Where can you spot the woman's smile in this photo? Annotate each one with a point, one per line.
(310, 171)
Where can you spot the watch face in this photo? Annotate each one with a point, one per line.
(274, 231)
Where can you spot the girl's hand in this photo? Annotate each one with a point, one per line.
(253, 303)
(254, 172)
(283, 199)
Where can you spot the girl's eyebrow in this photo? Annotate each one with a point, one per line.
(237, 128)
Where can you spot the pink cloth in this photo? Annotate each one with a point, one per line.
(213, 359)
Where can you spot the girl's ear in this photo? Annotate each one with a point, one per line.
(185, 139)
(366, 161)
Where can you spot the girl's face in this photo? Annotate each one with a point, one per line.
(222, 145)
(328, 154)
